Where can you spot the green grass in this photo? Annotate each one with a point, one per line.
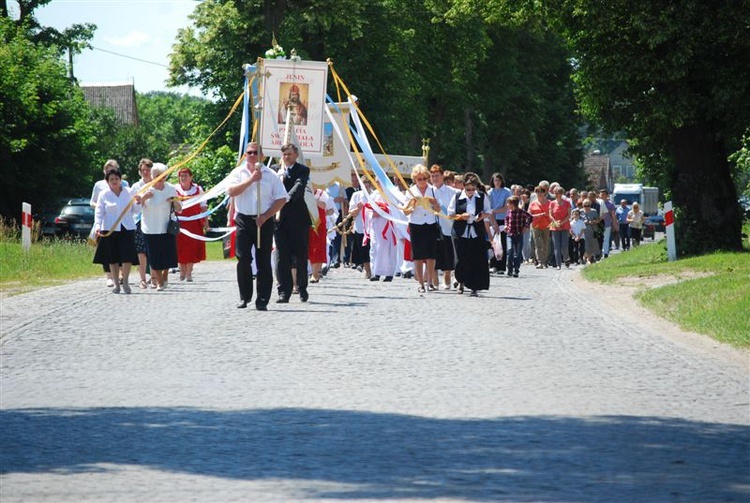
(711, 295)
(52, 261)
(46, 263)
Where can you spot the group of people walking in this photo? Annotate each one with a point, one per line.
(132, 226)
(453, 231)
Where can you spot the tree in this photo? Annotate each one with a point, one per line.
(45, 131)
(674, 76)
(489, 95)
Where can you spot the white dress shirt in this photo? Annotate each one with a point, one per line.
(271, 190)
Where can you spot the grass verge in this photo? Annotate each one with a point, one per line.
(52, 261)
(708, 294)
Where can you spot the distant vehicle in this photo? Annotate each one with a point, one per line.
(653, 224)
(75, 219)
(47, 225)
(647, 197)
(745, 205)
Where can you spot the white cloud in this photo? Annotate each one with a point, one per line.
(132, 39)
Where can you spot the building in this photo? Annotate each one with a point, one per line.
(120, 98)
(598, 169)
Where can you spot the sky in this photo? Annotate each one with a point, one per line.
(133, 29)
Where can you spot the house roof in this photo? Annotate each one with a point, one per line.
(120, 98)
(598, 170)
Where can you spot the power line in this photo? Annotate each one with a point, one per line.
(130, 57)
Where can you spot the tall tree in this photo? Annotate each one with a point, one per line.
(45, 132)
(421, 68)
(674, 75)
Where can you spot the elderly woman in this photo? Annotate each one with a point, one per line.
(421, 208)
(115, 227)
(471, 208)
(159, 202)
(189, 250)
(144, 169)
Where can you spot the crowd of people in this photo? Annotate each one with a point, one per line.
(450, 231)
(132, 226)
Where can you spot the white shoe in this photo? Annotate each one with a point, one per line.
(110, 283)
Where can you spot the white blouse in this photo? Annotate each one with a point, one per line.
(471, 209)
(421, 216)
(109, 207)
(156, 210)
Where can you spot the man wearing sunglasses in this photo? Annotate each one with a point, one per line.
(243, 187)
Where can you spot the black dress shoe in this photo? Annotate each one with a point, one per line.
(303, 295)
(375, 278)
(242, 305)
(283, 299)
(387, 279)
(261, 307)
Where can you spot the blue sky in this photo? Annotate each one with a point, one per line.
(140, 29)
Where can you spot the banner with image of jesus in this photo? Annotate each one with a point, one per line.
(297, 88)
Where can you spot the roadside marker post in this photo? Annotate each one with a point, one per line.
(26, 226)
(669, 223)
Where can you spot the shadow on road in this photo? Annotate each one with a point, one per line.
(613, 458)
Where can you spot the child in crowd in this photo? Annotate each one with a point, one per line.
(577, 229)
(517, 221)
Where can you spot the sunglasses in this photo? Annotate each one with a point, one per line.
(252, 152)
(421, 179)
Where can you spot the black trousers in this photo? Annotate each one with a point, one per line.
(291, 247)
(247, 237)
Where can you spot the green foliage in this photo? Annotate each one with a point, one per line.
(491, 96)
(45, 134)
(710, 294)
(673, 75)
(741, 160)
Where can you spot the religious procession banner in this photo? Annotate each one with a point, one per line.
(335, 165)
(297, 88)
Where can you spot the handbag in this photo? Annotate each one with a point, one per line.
(173, 227)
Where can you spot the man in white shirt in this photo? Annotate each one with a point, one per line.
(247, 183)
(446, 258)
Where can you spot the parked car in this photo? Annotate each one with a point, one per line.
(653, 224)
(75, 219)
(46, 220)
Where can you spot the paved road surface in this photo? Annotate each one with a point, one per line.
(535, 391)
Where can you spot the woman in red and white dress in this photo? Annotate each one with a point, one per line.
(317, 248)
(189, 250)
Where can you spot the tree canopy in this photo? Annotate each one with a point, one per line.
(674, 76)
(491, 96)
(45, 132)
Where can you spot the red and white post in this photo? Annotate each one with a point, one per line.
(26, 226)
(669, 224)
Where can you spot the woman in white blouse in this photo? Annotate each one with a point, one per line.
(115, 227)
(471, 208)
(422, 226)
(159, 204)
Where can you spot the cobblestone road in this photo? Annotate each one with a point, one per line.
(535, 391)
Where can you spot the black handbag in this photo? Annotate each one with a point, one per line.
(173, 227)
